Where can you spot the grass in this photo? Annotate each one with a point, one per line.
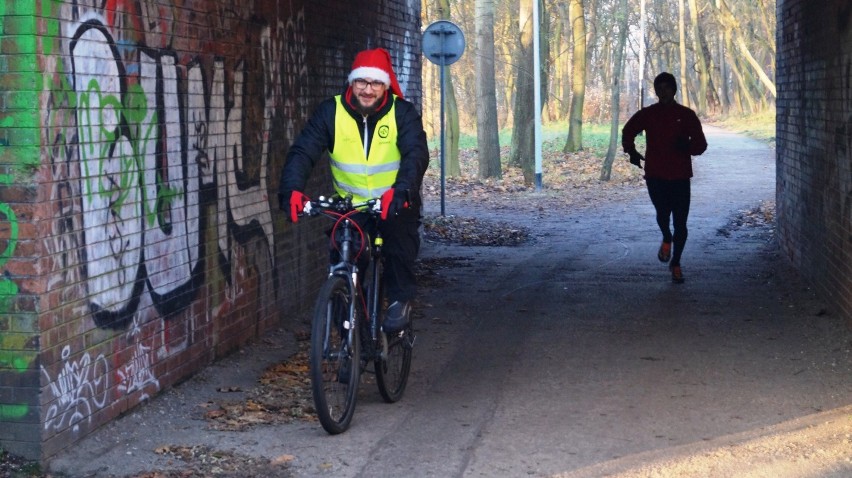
(760, 126)
(595, 138)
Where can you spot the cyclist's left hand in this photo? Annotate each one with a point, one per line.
(394, 200)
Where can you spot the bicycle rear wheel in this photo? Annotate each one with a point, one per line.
(335, 372)
(392, 368)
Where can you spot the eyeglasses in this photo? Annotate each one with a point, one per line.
(362, 83)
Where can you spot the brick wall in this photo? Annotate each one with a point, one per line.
(140, 147)
(814, 143)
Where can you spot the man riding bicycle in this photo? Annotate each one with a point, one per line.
(377, 148)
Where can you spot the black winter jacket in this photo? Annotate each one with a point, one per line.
(318, 137)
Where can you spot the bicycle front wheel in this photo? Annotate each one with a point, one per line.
(392, 367)
(335, 371)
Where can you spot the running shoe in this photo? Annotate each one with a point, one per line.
(665, 252)
(677, 275)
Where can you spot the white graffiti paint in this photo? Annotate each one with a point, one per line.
(244, 204)
(137, 374)
(284, 53)
(111, 202)
(171, 193)
(146, 152)
(79, 389)
(404, 56)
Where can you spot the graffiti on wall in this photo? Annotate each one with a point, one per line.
(80, 388)
(13, 347)
(158, 123)
(160, 163)
(17, 343)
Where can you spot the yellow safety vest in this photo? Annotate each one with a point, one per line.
(355, 173)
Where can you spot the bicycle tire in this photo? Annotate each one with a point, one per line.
(334, 383)
(394, 363)
(392, 370)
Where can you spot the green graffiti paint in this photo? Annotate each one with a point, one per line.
(12, 241)
(13, 411)
(16, 355)
(20, 124)
(8, 292)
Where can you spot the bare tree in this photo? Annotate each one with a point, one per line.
(487, 139)
(451, 110)
(523, 146)
(700, 59)
(684, 85)
(730, 21)
(578, 78)
(622, 16)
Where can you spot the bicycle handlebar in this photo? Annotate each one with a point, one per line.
(342, 206)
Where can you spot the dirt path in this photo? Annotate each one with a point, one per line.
(617, 372)
(571, 355)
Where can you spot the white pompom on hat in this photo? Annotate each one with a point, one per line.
(375, 64)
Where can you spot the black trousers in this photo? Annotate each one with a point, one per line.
(671, 200)
(401, 245)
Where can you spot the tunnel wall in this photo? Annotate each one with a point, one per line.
(814, 143)
(140, 147)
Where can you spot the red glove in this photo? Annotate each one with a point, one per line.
(393, 201)
(297, 204)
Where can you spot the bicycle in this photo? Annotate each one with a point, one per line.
(347, 317)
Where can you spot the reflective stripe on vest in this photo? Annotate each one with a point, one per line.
(353, 173)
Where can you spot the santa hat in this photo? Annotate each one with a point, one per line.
(375, 64)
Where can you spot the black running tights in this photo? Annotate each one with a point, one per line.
(671, 200)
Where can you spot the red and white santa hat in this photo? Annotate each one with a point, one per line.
(375, 64)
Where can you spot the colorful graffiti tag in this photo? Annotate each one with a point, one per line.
(159, 158)
(157, 125)
(18, 353)
(13, 354)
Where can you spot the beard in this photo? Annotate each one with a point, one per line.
(366, 110)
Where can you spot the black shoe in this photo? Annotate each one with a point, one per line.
(396, 317)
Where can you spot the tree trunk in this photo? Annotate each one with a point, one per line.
(487, 140)
(621, 15)
(724, 91)
(451, 111)
(711, 94)
(523, 145)
(743, 92)
(642, 42)
(578, 80)
(700, 59)
(684, 87)
(566, 67)
(544, 54)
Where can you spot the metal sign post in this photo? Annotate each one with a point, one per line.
(443, 44)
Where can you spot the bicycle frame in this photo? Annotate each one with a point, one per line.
(347, 265)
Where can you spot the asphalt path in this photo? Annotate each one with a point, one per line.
(575, 355)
